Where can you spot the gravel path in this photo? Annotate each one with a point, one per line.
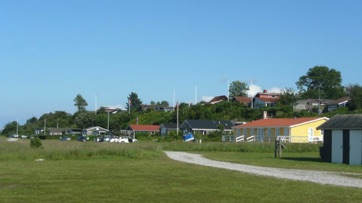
(321, 177)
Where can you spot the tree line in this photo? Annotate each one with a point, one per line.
(319, 82)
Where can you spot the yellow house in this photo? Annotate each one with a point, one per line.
(296, 130)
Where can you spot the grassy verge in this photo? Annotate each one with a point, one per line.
(108, 172)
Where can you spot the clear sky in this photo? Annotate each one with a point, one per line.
(183, 50)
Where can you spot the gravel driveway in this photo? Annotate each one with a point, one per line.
(320, 177)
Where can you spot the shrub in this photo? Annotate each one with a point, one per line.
(35, 142)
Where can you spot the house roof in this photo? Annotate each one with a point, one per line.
(343, 121)
(144, 127)
(98, 128)
(278, 122)
(218, 99)
(169, 125)
(208, 124)
(56, 130)
(341, 100)
(244, 100)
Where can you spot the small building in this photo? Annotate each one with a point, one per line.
(57, 131)
(297, 130)
(243, 100)
(205, 126)
(342, 102)
(95, 130)
(166, 128)
(218, 99)
(151, 129)
(342, 139)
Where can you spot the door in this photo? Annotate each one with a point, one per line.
(346, 146)
(355, 156)
(337, 146)
(310, 135)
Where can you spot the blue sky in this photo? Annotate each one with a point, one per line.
(50, 51)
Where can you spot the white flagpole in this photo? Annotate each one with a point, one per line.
(177, 117)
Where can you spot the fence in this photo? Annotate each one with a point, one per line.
(253, 138)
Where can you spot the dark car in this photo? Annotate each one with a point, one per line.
(82, 138)
(64, 138)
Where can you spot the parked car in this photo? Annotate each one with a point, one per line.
(65, 138)
(114, 139)
(82, 138)
(127, 140)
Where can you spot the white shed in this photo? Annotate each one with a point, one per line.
(343, 139)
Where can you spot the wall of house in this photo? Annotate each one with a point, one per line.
(302, 131)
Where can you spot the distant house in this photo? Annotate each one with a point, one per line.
(243, 100)
(205, 126)
(74, 131)
(311, 104)
(39, 131)
(265, 99)
(293, 129)
(151, 129)
(342, 139)
(96, 130)
(264, 102)
(218, 99)
(157, 108)
(57, 131)
(342, 102)
(165, 128)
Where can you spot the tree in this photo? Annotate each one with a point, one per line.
(134, 103)
(80, 103)
(238, 88)
(355, 94)
(287, 97)
(84, 119)
(321, 82)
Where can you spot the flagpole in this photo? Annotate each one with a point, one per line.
(177, 117)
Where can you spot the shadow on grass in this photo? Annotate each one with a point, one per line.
(303, 159)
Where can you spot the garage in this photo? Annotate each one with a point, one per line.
(342, 139)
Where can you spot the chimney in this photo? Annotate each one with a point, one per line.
(265, 114)
(265, 91)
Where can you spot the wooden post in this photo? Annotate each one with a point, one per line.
(276, 149)
(280, 148)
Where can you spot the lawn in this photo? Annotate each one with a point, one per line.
(107, 172)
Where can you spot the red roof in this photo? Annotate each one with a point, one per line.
(145, 127)
(277, 122)
(244, 100)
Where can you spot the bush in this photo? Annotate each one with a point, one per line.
(35, 142)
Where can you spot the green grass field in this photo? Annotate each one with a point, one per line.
(109, 172)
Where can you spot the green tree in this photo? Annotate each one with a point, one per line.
(320, 81)
(355, 94)
(238, 88)
(80, 103)
(287, 97)
(84, 119)
(10, 128)
(134, 103)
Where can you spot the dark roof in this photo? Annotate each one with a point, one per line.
(169, 125)
(208, 124)
(343, 122)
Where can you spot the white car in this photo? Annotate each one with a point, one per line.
(127, 140)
